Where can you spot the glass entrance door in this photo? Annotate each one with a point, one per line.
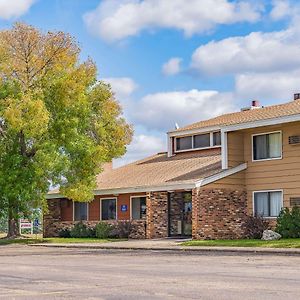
(187, 214)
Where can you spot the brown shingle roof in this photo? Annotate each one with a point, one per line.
(268, 112)
(162, 170)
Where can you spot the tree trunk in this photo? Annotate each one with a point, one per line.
(13, 226)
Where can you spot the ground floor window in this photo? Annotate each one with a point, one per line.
(109, 209)
(80, 211)
(268, 203)
(138, 208)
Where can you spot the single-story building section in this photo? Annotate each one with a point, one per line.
(162, 196)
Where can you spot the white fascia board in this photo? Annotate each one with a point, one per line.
(261, 123)
(169, 143)
(54, 196)
(221, 175)
(130, 190)
(158, 188)
(224, 150)
(193, 131)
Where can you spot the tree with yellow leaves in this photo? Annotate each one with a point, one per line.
(58, 124)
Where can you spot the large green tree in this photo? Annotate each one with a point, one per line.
(58, 124)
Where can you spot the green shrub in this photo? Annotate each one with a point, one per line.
(255, 226)
(103, 230)
(288, 223)
(80, 230)
(65, 233)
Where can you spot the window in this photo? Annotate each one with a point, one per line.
(202, 140)
(198, 141)
(267, 204)
(184, 143)
(109, 209)
(267, 146)
(138, 208)
(217, 138)
(80, 211)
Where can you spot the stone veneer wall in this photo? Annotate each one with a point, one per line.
(138, 229)
(157, 215)
(175, 207)
(52, 220)
(219, 213)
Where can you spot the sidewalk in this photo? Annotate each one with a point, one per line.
(171, 245)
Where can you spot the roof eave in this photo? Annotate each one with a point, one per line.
(138, 189)
(164, 187)
(240, 126)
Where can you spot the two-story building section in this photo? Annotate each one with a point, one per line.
(214, 174)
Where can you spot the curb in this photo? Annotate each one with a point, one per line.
(194, 250)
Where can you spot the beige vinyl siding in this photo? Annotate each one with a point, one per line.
(274, 174)
(235, 181)
(235, 144)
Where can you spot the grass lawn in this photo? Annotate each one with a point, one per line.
(283, 243)
(78, 240)
(31, 239)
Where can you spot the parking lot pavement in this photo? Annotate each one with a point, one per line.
(55, 273)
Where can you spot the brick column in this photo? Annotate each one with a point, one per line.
(175, 211)
(219, 214)
(195, 213)
(52, 218)
(157, 215)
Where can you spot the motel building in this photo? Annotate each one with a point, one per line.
(213, 176)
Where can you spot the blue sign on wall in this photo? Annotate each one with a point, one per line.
(123, 207)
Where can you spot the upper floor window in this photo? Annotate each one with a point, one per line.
(267, 146)
(199, 141)
(267, 203)
(184, 143)
(202, 140)
(217, 138)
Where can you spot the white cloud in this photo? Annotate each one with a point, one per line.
(143, 145)
(281, 9)
(256, 52)
(121, 86)
(278, 87)
(115, 20)
(172, 66)
(160, 111)
(14, 8)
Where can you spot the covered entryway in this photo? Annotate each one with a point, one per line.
(180, 213)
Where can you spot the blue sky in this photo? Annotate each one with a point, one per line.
(178, 60)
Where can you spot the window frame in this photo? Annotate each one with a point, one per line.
(87, 211)
(266, 191)
(211, 139)
(192, 139)
(265, 133)
(100, 208)
(132, 197)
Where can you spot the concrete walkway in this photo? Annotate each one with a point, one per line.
(170, 245)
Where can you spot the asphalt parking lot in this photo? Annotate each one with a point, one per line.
(53, 273)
